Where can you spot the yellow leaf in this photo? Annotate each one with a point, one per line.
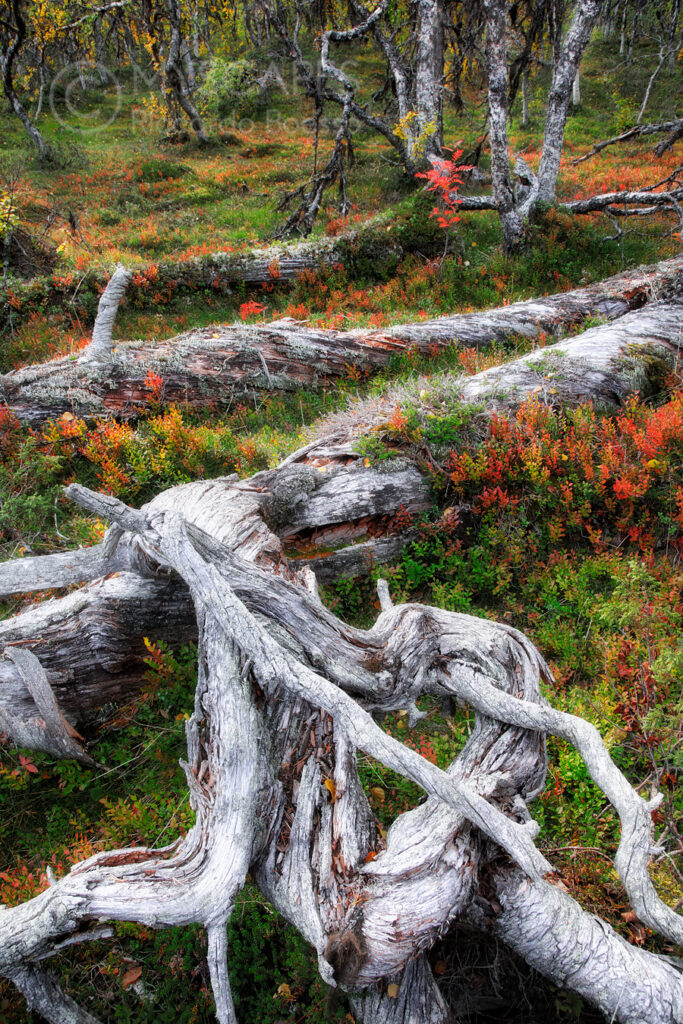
(392, 990)
(67, 416)
(329, 785)
(377, 793)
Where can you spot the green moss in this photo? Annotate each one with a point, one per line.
(649, 367)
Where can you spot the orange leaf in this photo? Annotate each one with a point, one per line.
(132, 975)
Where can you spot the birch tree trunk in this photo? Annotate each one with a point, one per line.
(586, 13)
(525, 99)
(429, 70)
(496, 69)
(175, 75)
(516, 207)
(13, 34)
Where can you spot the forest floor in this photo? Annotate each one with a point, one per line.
(591, 572)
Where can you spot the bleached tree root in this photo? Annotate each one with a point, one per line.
(44, 996)
(219, 364)
(576, 951)
(284, 698)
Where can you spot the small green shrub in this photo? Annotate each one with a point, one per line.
(230, 87)
(156, 168)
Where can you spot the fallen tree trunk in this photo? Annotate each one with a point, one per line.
(603, 365)
(673, 129)
(322, 509)
(371, 250)
(223, 363)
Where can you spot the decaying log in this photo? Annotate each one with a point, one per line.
(219, 364)
(284, 698)
(372, 249)
(604, 365)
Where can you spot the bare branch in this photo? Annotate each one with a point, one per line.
(100, 348)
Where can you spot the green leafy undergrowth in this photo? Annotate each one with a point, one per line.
(134, 462)
(438, 737)
(569, 525)
(135, 793)
(143, 976)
